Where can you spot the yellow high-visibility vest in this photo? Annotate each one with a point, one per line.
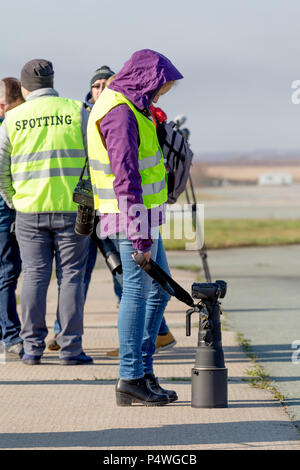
(150, 158)
(47, 153)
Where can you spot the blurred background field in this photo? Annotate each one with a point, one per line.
(244, 205)
(229, 233)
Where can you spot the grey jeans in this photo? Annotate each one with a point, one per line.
(43, 237)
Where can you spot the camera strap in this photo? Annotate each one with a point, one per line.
(163, 279)
(85, 166)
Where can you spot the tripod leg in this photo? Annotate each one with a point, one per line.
(187, 196)
(202, 250)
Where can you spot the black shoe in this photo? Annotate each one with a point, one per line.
(154, 385)
(81, 358)
(31, 360)
(138, 391)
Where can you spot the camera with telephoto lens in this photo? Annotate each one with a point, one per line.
(83, 196)
(209, 290)
(85, 221)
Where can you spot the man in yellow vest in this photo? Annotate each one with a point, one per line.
(42, 152)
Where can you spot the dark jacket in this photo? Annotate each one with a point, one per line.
(7, 216)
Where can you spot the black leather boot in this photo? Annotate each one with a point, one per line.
(154, 385)
(138, 391)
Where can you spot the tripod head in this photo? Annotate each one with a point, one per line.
(208, 293)
(179, 120)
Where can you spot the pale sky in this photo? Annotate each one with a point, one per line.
(238, 57)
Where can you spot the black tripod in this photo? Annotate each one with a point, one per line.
(202, 249)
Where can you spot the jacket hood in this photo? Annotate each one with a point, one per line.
(143, 75)
(88, 101)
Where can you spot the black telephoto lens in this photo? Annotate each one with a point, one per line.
(111, 255)
(84, 224)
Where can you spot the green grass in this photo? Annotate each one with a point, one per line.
(229, 233)
(194, 268)
(258, 376)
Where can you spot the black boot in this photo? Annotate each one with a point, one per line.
(138, 391)
(154, 385)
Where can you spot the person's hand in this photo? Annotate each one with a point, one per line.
(147, 255)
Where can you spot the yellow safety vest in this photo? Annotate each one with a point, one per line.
(47, 153)
(150, 158)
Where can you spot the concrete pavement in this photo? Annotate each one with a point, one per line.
(58, 407)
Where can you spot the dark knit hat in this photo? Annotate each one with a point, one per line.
(102, 72)
(37, 73)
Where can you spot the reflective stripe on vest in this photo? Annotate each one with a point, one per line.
(29, 175)
(150, 160)
(47, 153)
(144, 164)
(148, 190)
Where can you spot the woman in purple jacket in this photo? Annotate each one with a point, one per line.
(143, 79)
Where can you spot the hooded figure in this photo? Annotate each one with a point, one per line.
(143, 75)
(126, 162)
(140, 81)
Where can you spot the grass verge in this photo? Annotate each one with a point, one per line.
(229, 233)
(194, 268)
(258, 376)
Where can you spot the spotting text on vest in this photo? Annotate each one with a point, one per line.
(44, 121)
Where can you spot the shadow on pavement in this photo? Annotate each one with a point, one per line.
(240, 432)
(275, 353)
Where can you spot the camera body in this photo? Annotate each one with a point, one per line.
(83, 196)
(83, 193)
(209, 291)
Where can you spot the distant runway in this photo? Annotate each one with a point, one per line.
(251, 202)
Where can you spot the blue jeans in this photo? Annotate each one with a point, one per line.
(117, 277)
(117, 283)
(10, 268)
(163, 329)
(141, 310)
(42, 237)
(90, 264)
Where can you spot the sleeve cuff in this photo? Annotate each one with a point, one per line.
(141, 245)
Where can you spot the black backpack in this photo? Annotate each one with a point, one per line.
(178, 158)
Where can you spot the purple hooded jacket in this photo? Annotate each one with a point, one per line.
(139, 80)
